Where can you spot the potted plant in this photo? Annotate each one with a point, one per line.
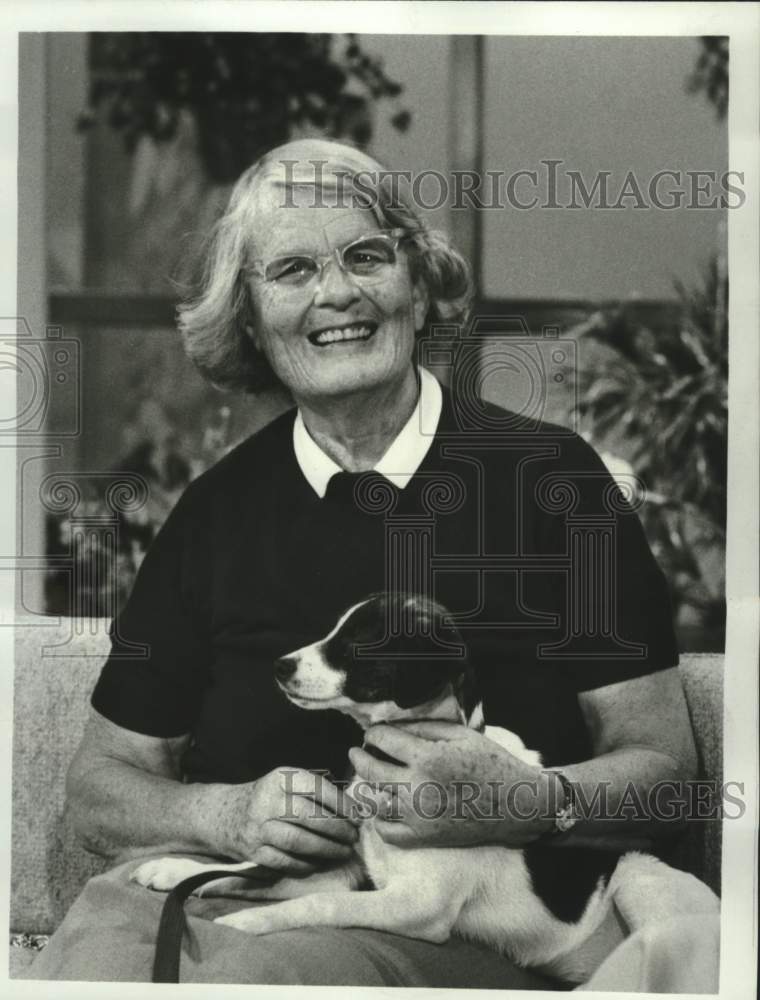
(660, 393)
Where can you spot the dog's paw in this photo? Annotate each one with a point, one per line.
(164, 873)
(252, 921)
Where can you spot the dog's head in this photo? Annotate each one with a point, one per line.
(393, 656)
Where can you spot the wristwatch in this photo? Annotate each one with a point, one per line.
(566, 816)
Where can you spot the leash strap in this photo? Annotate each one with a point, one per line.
(172, 924)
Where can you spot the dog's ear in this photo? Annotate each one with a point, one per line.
(421, 677)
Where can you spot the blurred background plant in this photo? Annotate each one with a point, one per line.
(659, 397)
(245, 92)
(657, 394)
(104, 546)
(710, 74)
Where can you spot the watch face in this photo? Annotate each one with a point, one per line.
(565, 821)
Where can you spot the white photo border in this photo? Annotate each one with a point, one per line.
(741, 22)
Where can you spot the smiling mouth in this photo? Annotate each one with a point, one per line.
(343, 334)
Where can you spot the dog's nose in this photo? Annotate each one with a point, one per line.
(284, 668)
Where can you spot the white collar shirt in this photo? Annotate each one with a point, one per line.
(400, 461)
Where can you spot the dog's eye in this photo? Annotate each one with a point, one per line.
(339, 654)
(369, 681)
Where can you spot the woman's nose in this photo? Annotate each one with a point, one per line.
(335, 287)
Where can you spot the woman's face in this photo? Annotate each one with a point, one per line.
(336, 334)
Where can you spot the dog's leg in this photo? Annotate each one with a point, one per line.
(165, 873)
(426, 915)
(346, 878)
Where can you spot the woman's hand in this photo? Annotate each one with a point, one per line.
(289, 819)
(454, 786)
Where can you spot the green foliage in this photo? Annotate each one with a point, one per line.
(246, 91)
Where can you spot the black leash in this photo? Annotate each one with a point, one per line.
(172, 924)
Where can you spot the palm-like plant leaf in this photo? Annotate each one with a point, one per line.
(664, 392)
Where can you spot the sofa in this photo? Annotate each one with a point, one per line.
(56, 664)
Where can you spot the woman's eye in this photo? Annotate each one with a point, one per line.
(364, 259)
(369, 255)
(292, 269)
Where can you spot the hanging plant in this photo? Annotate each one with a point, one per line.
(246, 91)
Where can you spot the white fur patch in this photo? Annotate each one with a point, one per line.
(511, 742)
(316, 683)
(477, 719)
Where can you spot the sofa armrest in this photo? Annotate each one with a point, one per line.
(699, 851)
(56, 666)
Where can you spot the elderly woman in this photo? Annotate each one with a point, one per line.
(320, 278)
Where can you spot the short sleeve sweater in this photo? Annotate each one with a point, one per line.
(518, 526)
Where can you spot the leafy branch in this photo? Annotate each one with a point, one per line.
(710, 75)
(663, 390)
(245, 91)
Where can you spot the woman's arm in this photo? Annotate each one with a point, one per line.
(126, 799)
(125, 795)
(641, 734)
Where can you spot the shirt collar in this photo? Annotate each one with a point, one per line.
(403, 457)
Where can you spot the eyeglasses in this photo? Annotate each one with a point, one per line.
(366, 259)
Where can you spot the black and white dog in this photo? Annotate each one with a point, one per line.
(545, 907)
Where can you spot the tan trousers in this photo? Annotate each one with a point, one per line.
(109, 936)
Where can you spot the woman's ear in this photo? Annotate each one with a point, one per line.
(421, 303)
